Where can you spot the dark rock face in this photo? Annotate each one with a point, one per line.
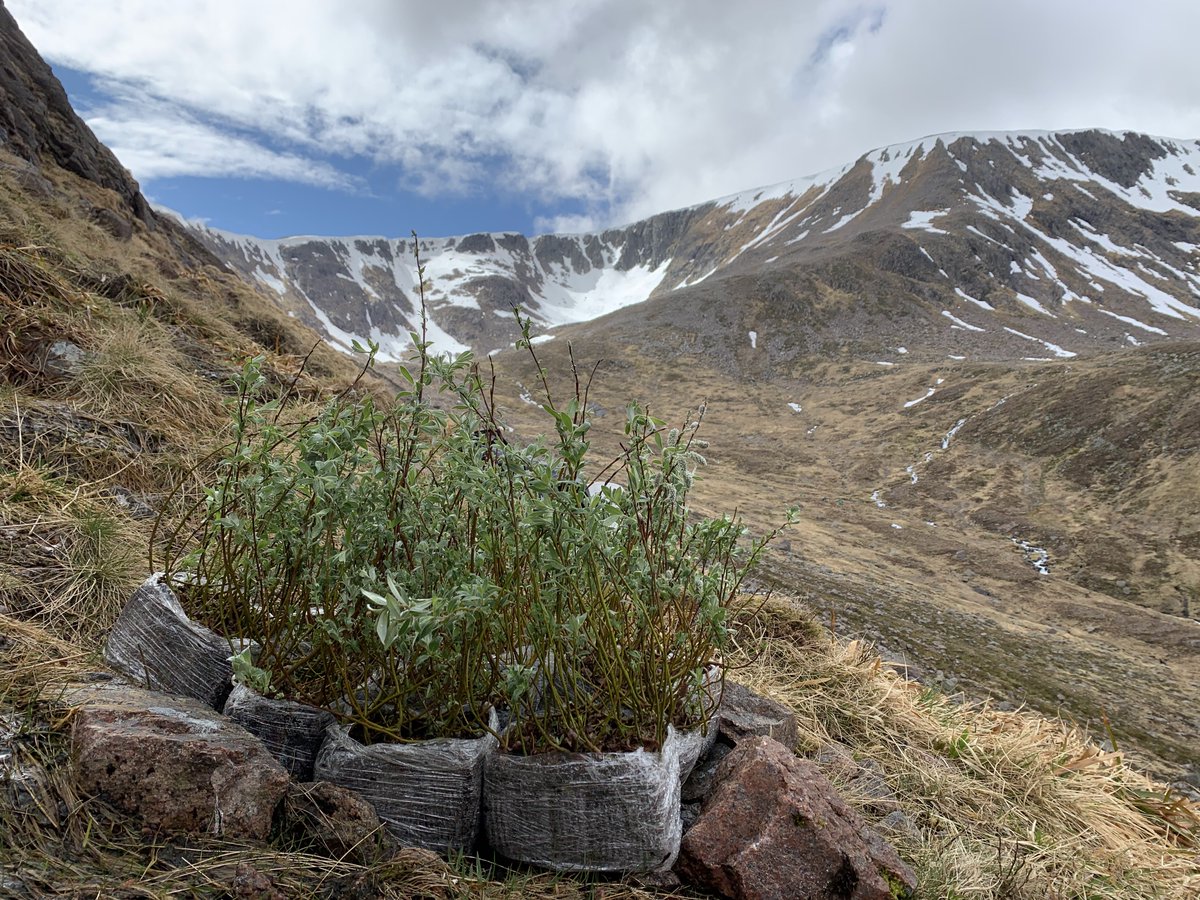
(745, 714)
(37, 122)
(775, 829)
(554, 249)
(1122, 160)
(654, 240)
(477, 243)
(174, 762)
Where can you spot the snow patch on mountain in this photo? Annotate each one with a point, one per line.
(1030, 203)
(923, 219)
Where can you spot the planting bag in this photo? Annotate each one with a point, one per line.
(161, 649)
(292, 731)
(694, 746)
(695, 743)
(599, 812)
(427, 794)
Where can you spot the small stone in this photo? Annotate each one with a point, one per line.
(871, 790)
(745, 713)
(336, 822)
(14, 886)
(26, 790)
(663, 881)
(64, 359)
(837, 762)
(137, 505)
(251, 884)
(114, 223)
(898, 823)
(699, 784)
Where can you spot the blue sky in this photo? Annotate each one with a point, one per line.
(382, 116)
(371, 201)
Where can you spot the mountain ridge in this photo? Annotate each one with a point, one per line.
(1125, 219)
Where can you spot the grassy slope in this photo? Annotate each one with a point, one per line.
(1092, 459)
(1005, 804)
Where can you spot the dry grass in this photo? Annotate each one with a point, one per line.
(1008, 805)
(134, 373)
(70, 569)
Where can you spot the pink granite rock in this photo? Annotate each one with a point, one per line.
(774, 828)
(174, 762)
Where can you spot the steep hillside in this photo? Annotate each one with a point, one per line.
(118, 333)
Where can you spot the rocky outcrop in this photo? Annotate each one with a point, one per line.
(775, 829)
(173, 762)
(38, 124)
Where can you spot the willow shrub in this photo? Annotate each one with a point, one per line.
(405, 567)
(308, 521)
(621, 603)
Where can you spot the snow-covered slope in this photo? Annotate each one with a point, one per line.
(356, 288)
(1093, 230)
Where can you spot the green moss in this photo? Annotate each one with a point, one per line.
(897, 888)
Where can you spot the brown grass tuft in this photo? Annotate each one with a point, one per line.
(1008, 804)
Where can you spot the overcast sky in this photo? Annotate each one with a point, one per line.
(382, 116)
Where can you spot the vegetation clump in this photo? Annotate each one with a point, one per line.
(406, 566)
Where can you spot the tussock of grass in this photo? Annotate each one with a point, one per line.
(68, 561)
(1007, 804)
(134, 373)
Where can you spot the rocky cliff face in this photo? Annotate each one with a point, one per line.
(1013, 245)
(361, 288)
(38, 124)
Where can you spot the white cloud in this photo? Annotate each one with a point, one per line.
(156, 140)
(629, 107)
(566, 224)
